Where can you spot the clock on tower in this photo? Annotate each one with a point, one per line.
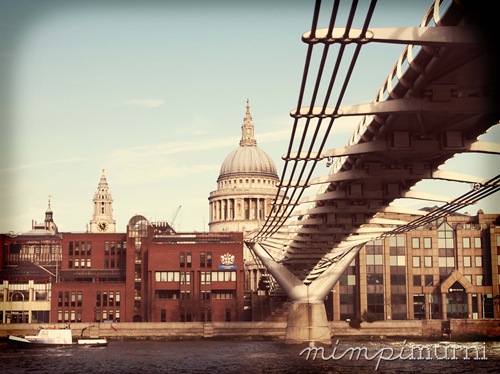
(102, 217)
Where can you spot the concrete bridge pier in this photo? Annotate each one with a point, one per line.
(307, 322)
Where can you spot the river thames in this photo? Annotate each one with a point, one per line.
(344, 356)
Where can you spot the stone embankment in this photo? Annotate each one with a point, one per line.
(460, 330)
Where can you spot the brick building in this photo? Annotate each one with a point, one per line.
(149, 273)
(184, 276)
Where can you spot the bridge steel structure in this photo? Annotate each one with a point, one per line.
(440, 96)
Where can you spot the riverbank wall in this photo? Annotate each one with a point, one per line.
(427, 329)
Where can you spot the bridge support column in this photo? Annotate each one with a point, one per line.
(307, 323)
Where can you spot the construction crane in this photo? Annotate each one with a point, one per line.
(172, 221)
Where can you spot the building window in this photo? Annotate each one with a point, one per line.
(347, 280)
(479, 261)
(477, 243)
(223, 276)
(445, 236)
(188, 259)
(185, 277)
(479, 280)
(39, 296)
(467, 262)
(419, 306)
(465, 242)
(205, 277)
(182, 259)
(398, 260)
(446, 262)
(374, 259)
(416, 261)
(205, 295)
(202, 259)
(374, 279)
(209, 259)
(415, 243)
(428, 261)
(167, 276)
(427, 243)
(429, 280)
(417, 280)
(223, 294)
(167, 294)
(374, 289)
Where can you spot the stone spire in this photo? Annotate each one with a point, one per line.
(103, 182)
(102, 217)
(247, 130)
(49, 209)
(49, 219)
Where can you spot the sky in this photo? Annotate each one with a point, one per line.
(154, 93)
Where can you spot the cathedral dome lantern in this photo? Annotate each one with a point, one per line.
(248, 158)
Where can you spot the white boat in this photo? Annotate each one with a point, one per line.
(53, 337)
(98, 342)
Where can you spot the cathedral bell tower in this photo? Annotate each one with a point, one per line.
(102, 217)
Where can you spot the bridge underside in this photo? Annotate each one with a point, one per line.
(439, 98)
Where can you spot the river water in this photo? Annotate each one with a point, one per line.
(257, 357)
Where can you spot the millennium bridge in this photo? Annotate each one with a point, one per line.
(438, 99)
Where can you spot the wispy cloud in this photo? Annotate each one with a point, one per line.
(137, 165)
(153, 151)
(39, 164)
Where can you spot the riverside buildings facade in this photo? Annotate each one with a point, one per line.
(149, 273)
(447, 269)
